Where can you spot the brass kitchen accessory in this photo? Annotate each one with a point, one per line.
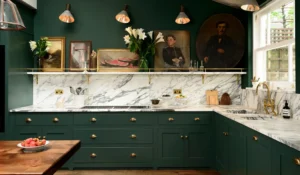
(212, 97)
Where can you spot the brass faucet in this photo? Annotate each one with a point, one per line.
(268, 103)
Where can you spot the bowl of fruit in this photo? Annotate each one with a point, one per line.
(33, 144)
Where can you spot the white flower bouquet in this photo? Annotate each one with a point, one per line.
(40, 48)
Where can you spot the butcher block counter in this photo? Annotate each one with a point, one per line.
(14, 161)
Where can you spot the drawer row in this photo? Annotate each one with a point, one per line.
(113, 119)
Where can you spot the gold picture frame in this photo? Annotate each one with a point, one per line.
(55, 62)
(117, 60)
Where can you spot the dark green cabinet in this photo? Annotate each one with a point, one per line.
(222, 150)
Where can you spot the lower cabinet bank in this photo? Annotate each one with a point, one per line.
(205, 140)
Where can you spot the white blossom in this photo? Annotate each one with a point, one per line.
(134, 33)
(129, 30)
(47, 49)
(32, 45)
(160, 35)
(160, 40)
(150, 34)
(141, 34)
(127, 39)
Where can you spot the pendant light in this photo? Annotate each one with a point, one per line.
(10, 18)
(182, 18)
(123, 17)
(250, 5)
(67, 16)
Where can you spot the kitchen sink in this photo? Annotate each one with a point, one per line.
(115, 107)
(241, 111)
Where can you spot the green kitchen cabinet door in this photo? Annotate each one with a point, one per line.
(237, 150)
(22, 133)
(170, 147)
(222, 143)
(57, 133)
(258, 154)
(197, 147)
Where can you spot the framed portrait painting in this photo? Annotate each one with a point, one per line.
(221, 41)
(117, 60)
(80, 52)
(174, 53)
(55, 60)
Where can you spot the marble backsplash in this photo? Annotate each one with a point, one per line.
(250, 99)
(124, 89)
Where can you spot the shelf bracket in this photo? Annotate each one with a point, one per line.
(87, 78)
(149, 78)
(36, 77)
(238, 78)
(203, 78)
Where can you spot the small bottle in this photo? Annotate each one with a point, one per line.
(201, 67)
(286, 111)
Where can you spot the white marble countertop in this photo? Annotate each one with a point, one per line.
(277, 128)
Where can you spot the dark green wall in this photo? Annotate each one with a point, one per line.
(95, 20)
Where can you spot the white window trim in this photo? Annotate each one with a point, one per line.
(259, 52)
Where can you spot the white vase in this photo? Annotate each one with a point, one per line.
(78, 100)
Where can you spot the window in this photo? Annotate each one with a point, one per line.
(274, 43)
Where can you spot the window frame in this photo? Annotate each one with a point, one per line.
(259, 52)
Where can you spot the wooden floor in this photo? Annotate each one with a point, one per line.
(137, 172)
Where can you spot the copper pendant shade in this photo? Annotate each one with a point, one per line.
(182, 18)
(250, 5)
(10, 18)
(67, 16)
(123, 17)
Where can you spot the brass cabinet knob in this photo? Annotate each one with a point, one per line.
(28, 120)
(182, 137)
(93, 136)
(186, 137)
(133, 119)
(55, 120)
(44, 137)
(297, 161)
(39, 137)
(255, 138)
(93, 119)
(171, 119)
(93, 155)
(225, 133)
(197, 119)
(133, 136)
(132, 155)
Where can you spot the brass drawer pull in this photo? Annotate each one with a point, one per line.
(93, 155)
(28, 120)
(55, 120)
(182, 137)
(225, 133)
(93, 136)
(132, 155)
(186, 137)
(197, 119)
(133, 136)
(133, 119)
(171, 119)
(297, 161)
(39, 137)
(255, 138)
(44, 137)
(93, 119)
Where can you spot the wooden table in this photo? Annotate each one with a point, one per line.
(14, 161)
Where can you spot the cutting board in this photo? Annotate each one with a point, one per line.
(212, 97)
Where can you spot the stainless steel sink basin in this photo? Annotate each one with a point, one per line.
(115, 107)
(241, 111)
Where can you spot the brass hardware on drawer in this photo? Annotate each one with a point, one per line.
(44, 137)
(55, 120)
(133, 136)
(28, 120)
(186, 137)
(297, 161)
(39, 137)
(93, 119)
(133, 119)
(171, 119)
(197, 119)
(93, 136)
(225, 133)
(132, 155)
(182, 137)
(255, 138)
(93, 155)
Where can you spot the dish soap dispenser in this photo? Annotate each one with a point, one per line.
(286, 113)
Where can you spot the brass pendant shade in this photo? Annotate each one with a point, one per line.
(10, 18)
(250, 5)
(182, 18)
(67, 16)
(123, 17)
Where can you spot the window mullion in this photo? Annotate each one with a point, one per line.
(290, 62)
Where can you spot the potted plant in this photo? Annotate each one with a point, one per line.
(40, 50)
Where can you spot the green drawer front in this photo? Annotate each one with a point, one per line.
(44, 119)
(114, 155)
(115, 119)
(185, 119)
(116, 135)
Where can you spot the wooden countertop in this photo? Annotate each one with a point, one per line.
(14, 161)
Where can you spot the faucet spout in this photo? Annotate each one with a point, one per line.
(268, 103)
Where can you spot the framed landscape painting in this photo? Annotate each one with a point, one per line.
(80, 52)
(117, 60)
(55, 60)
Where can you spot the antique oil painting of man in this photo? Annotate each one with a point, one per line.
(55, 60)
(174, 53)
(221, 42)
(80, 55)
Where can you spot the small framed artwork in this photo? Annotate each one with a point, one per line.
(117, 60)
(174, 53)
(55, 60)
(80, 52)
